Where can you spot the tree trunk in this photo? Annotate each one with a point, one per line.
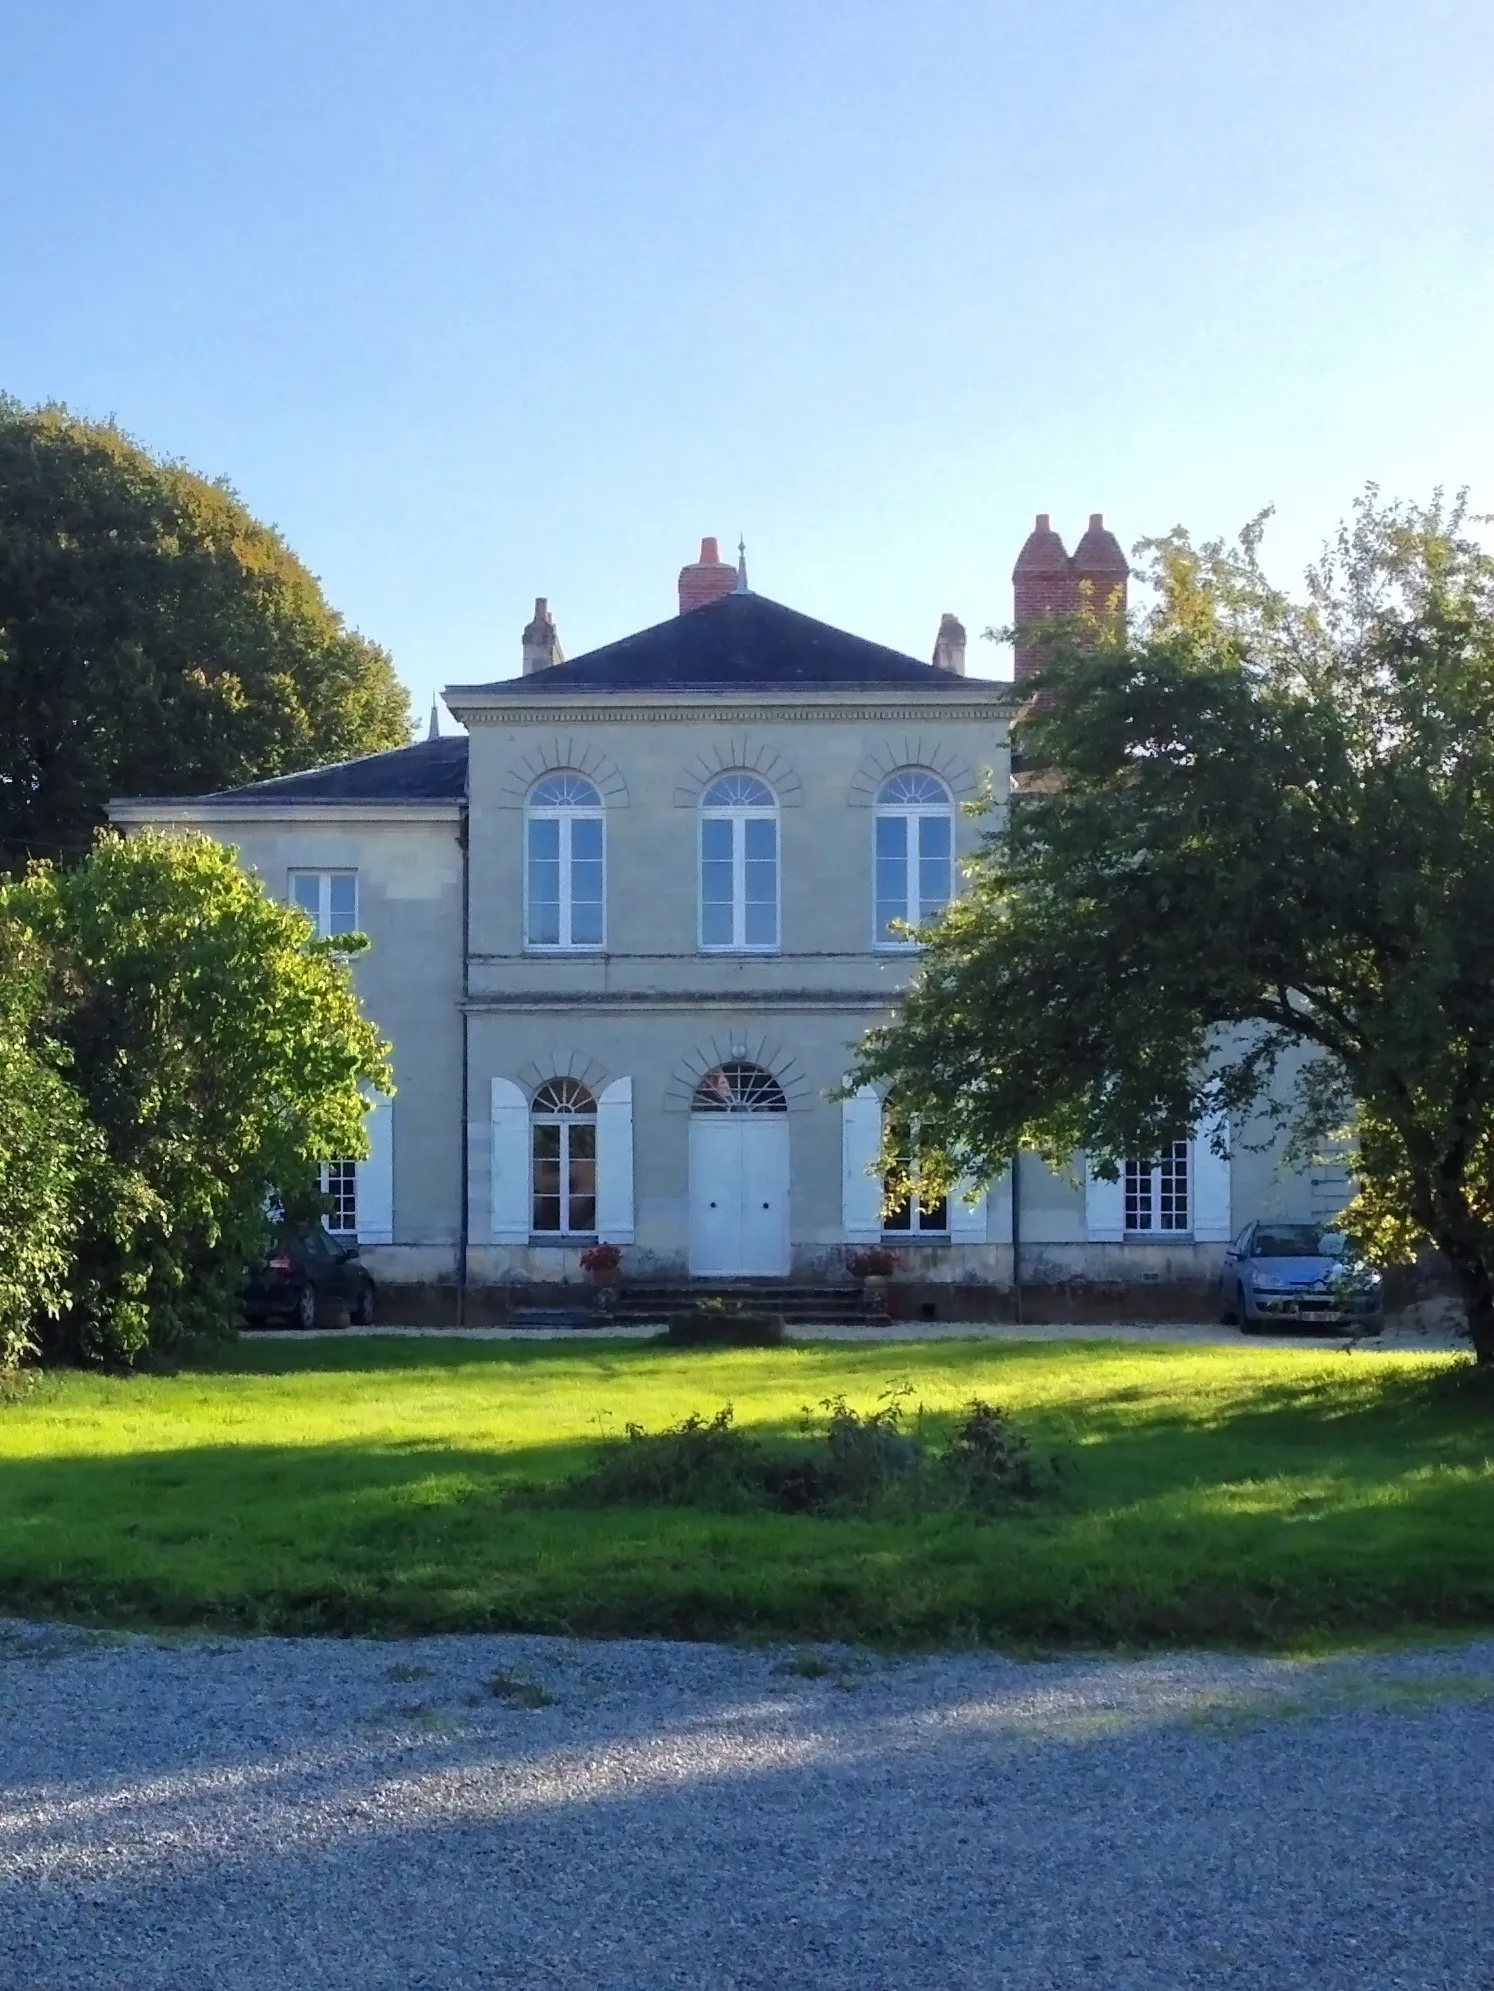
(1476, 1286)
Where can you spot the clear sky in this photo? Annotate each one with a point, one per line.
(484, 299)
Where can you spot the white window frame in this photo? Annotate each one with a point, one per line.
(739, 815)
(345, 1197)
(1133, 1172)
(566, 1122)
(566, 814)
(911, 815)
(323, 915)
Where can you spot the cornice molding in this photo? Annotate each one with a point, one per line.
(685, 1002)
(609, 709)
(264, 814)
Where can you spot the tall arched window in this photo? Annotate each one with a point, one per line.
(914, 862)
(739, 864)
(563, 1138)
(564, 872)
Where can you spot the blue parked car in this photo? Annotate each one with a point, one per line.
(1289, 1275)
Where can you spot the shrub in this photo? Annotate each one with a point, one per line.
(989, 1461)
(876, 1262)
(601, 1258)
(720, 1324)
(699, 1462)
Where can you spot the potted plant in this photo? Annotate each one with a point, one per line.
(603, 1262)
(873, 1267)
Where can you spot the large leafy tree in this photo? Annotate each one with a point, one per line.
(1252, 871)
(155, 639)
(219, 1052)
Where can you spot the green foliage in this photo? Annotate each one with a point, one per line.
(723, 1324)
(366, 1484)
(1252, 872)
(155, 639)
(47, 1149)
(856, 1464)
(218, 1051)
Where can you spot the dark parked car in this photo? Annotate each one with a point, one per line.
(308, 1277)
(1284, 1275)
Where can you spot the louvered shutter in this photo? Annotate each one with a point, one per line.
(375, 1177)
(615, 1163)
(860, 1144)
(509, 1188)
(1211, 1185)
(1104, 1208)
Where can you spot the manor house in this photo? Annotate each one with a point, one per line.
(625, 930)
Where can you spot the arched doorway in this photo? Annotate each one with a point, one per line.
(739, 1175)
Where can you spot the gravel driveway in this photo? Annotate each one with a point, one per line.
(275, 1813)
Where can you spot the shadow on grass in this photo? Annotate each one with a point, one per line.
(1307, 1509)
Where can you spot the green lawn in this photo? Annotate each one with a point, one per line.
(1218, 1495)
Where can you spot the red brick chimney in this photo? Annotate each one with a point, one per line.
(1046, 582)
(707, 579)
(1099, 563)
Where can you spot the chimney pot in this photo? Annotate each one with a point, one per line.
(949, 644)
(707, 579)
(541, 643)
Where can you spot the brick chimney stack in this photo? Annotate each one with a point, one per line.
(1046, 582)
(706, 579)
(541, 643)
(1100, 569)
(949, 644)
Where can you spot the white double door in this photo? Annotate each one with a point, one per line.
(739, 1195)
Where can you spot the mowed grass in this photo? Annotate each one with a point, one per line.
(1215, 1495)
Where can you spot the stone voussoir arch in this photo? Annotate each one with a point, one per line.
(577, 757)
(563, 1064)
(739, 752)
(745, 1046)
(913, 750)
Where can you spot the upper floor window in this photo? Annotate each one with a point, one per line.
(329, 900)
(1156, 1193)
(564, 1149)
(739, 864)
(914, 861)
(565, 892)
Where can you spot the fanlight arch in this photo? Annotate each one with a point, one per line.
(738, 1086)
(738, 790)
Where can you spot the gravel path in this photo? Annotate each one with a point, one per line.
(278, 1813)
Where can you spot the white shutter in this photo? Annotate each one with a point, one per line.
(967, 1222)
(615, 1163)
(509, 1165)
(375, 1177)
(1104, 1208)
(860, 1144)
(1211, 1185)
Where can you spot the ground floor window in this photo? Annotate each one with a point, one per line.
(564, 1155)
(1157, 1193)
(340, 1187)
(915, 1215)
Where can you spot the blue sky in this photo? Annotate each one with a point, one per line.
(484, 299)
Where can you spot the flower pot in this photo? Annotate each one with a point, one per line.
(606, 1276)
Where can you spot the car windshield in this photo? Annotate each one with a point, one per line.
(1289, 1241)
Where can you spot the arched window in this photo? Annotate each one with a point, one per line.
(563, 1138)
(564, 882)
(738, 864)
(739, 1087)
(914, 863)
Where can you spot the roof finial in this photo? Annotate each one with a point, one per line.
(741, 587)
(435, 731)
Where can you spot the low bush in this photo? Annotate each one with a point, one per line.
(853, 1463)
(720, 1324)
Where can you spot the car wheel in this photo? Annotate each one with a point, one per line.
(1228, 1314)
(362, 1311)
(306, 1307)
(1247, 1325)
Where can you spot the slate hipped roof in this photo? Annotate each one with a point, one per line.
(431, 771)
(743, 642)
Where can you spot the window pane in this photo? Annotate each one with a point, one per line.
(586, 839)
(306, 892)
(1138, 1196)
(547, 1143)
(544, 883)
(716, 882)
(760, 880)
(760, 928)
(583, 1140)
(583, 1212)
(342, 902)
(899, 1218)
(1172, 1188)
(891, 874)
(547, 1213)
(715, 837)
(935, 836)
(934, 1216)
